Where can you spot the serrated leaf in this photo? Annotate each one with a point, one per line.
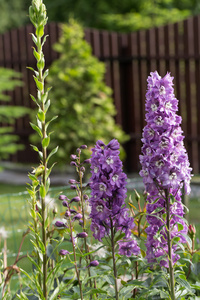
(37, 129)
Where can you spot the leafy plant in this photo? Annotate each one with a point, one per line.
(81, 100)
(9, 79)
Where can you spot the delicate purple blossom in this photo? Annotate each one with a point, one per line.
(165, 166)
(108, 184)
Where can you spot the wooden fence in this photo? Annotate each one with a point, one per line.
(129, 59)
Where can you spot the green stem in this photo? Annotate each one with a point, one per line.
(114, 261)
(75, 261)
(169, 242)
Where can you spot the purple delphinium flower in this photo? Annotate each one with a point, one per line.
(108, 185)
(165, 166)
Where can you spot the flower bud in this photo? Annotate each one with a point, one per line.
(65, 203)
(67, 213)
(78, 150)
(63, 197)
(73, 211)
(75, 199)
(72, 163)
(81, 223)
(87, 161)
(72, 181)
(73, 156)
(82, 235)
(63, 252)
(77, 217)
(85, 197)
(191, 231)
(60, 224)
(73, 187)
(94, 263)
(83, 147)
(82, 169)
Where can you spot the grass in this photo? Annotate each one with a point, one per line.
(14, 216)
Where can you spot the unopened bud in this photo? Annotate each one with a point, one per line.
(63, 252)
(75, 199)
(83, 147)
(94, 263)
(77, 217)
(82, 235)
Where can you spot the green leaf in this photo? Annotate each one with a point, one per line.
(50, 252)
(42, 191)
(180, 227)
(36, 128)
(40, 31)
(34, 38)
(184, 284)
(41, 115)
(36, 54)
(52, 153)
(45, 142)
(39, 84)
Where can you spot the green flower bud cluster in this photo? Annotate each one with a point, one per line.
(37, 13)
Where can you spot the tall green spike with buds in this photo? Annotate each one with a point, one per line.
(40, 177)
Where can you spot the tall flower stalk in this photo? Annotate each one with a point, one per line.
(41, 180)
(109, 214)
(165, 170)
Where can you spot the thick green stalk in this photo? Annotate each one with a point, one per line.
(169, 242)
(114, 261)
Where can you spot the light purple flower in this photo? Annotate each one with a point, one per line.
(107, 201)
(165, 166)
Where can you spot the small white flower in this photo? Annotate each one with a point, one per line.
(154, 107)
(168, 105)
(3, 233)
(159, 121)
(109, 161)
(162, 90)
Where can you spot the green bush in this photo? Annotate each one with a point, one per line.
(80, 98)
(9, 79)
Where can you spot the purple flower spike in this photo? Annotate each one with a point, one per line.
(165, 165)
(108, 185)
(82, 235)
(63, 252)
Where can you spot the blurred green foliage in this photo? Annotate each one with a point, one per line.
(9, 79)
(80, 98)
(122, 15)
